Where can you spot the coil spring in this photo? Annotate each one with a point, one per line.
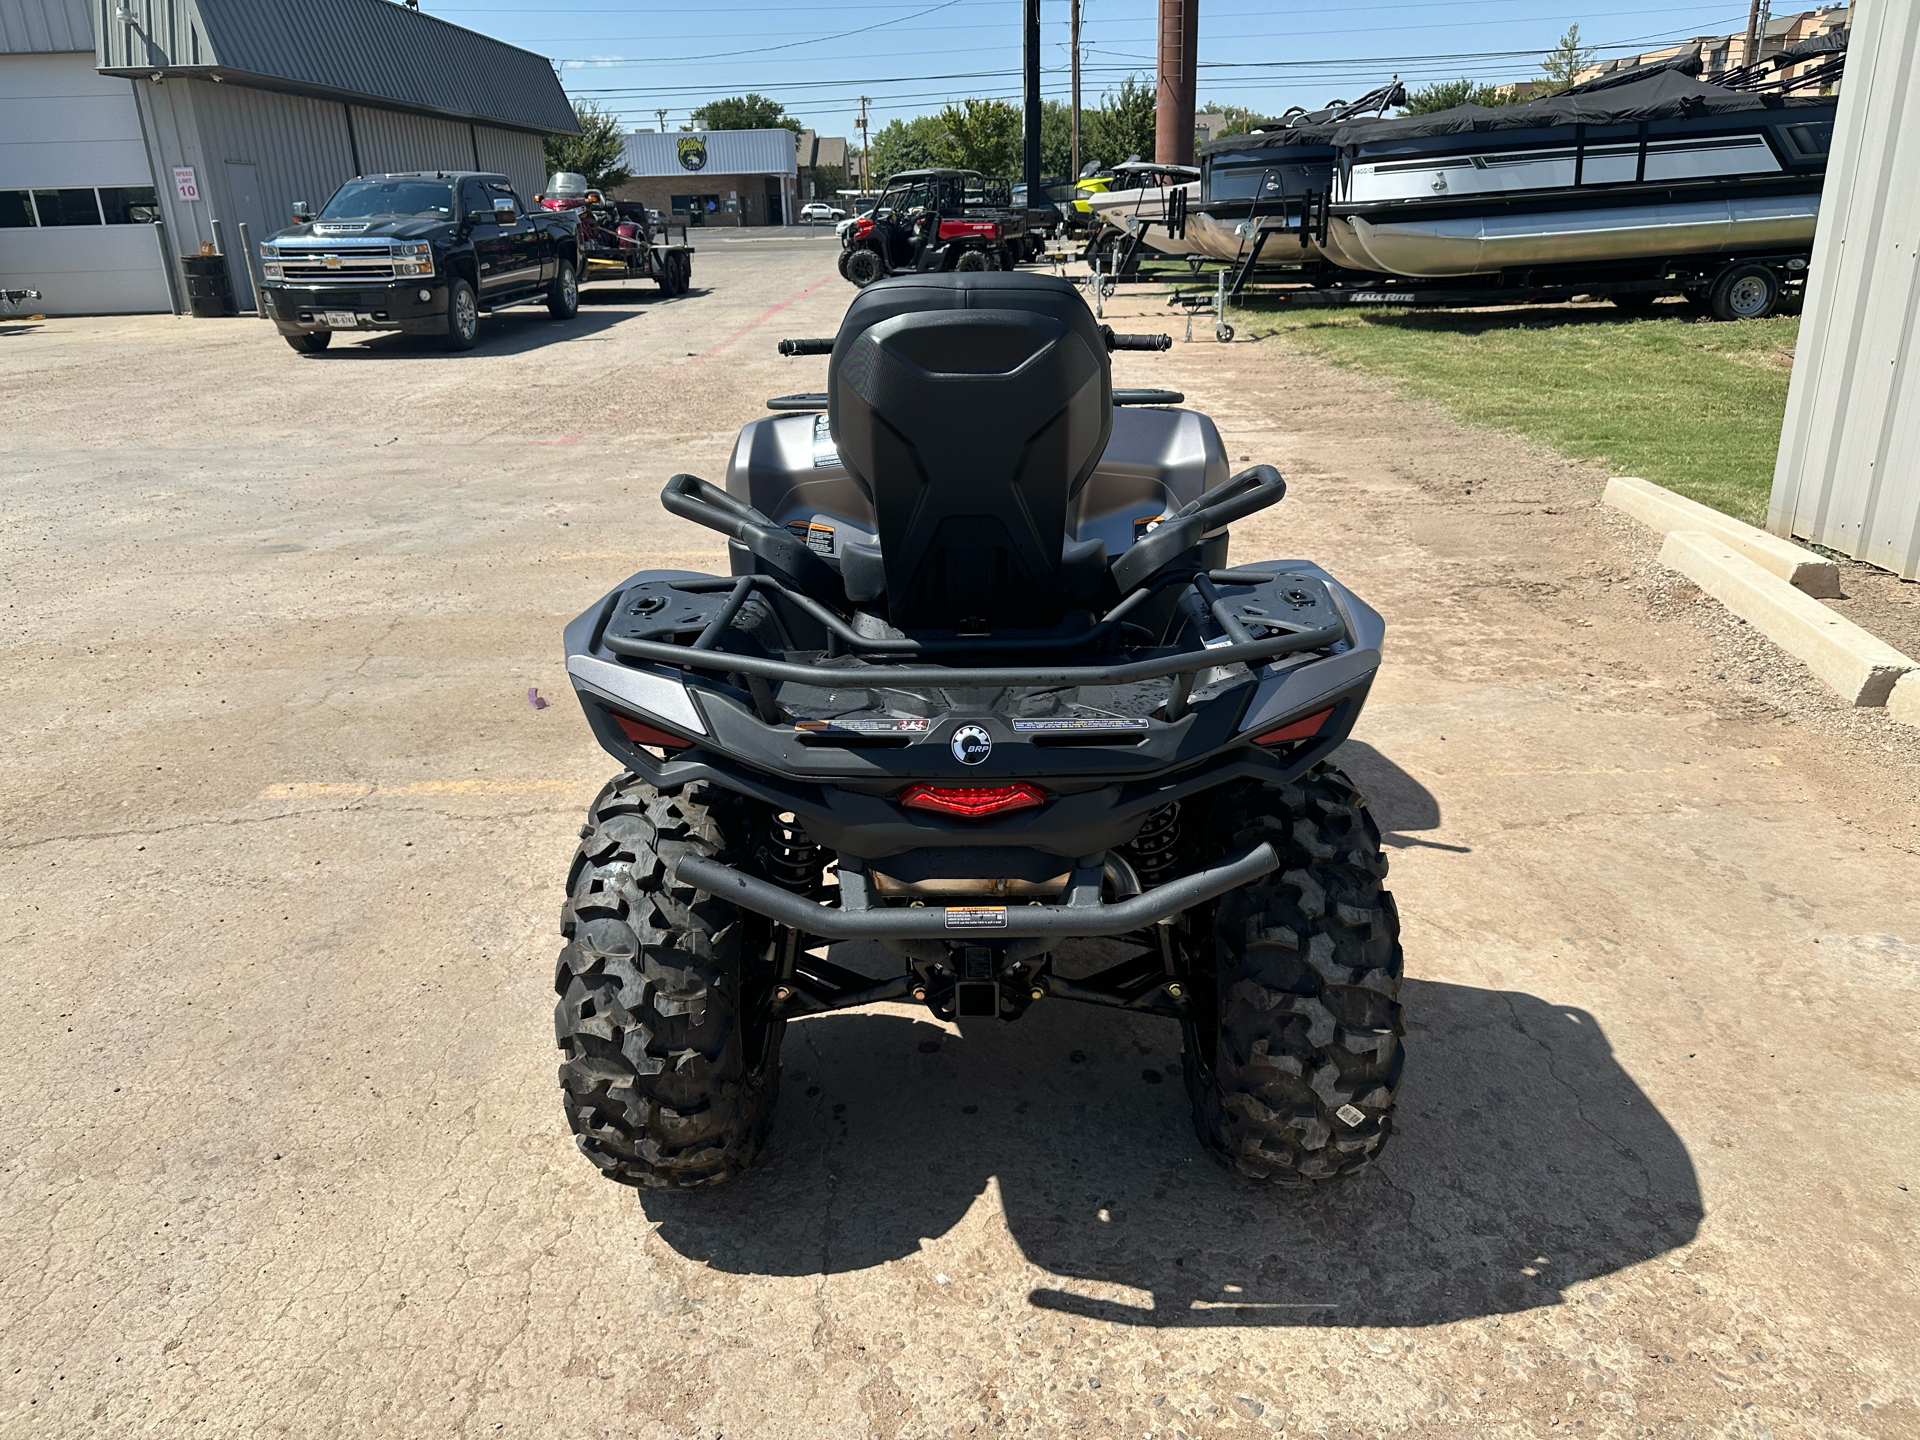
(788, 857)
(1154, 850)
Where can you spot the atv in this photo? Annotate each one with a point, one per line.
(935, 220)
(973, 690)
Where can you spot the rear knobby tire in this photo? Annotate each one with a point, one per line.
(1296, 1080)
(671, 1064)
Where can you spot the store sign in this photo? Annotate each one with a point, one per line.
(693, 152)
(184, 183)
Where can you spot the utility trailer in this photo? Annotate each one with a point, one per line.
(618, 239)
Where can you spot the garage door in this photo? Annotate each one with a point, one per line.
(76, 197)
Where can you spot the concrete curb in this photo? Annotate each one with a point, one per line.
(1860, 668)
(1904, 703)
(1667, 512)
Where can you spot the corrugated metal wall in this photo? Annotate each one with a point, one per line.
(1848, 476)
(44, 27)
(295, 147)
(390, 140)
(515, 154)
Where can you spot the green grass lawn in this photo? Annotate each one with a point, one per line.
(1695, 406)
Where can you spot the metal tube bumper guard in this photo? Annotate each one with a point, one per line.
(975, 923)
(302, 309)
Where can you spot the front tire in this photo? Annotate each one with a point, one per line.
(463, 316)
(864, 267)
(672, 1052)
(974, 260)
(563, 296)
(1293, 1052)
(311, 343)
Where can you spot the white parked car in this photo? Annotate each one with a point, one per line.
(820, 210)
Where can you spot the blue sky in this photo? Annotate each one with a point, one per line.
(911, 58)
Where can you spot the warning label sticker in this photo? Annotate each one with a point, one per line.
(976, 917)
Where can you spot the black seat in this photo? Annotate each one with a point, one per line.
(972, 407)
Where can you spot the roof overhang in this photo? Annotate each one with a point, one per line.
(224, 75)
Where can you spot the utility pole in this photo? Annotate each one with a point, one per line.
(1757, 16)
(1174, 97)
(663, 120)
(1074, 25)
(866, 154)
(1032, 87)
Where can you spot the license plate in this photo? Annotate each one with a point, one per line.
(340, 319)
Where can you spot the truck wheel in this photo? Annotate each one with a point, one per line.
(1293, 1046)
(671, 1051)
(463, 316)
(974, 260)
(1744, 292)
(311, 343)
(864, 267)
(563, 296)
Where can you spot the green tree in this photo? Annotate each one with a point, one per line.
(1567, 59)
(1446, 94)
(598, 152)
(745, 112)
(984, 135)
(1122, 126)
(912, 144)
(1056, 138)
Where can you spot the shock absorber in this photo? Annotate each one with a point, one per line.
(1155, 850)
(788, 857)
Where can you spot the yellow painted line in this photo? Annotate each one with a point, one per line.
(353, 790)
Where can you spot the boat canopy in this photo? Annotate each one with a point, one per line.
(1666, 95)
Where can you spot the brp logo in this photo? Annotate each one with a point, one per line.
(971, 744)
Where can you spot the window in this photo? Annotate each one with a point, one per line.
(129, 204)
(474, 201)
(376, 199)
(1809, 142)
(16, 211)
(67, 207)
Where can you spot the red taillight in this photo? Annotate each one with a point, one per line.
(643, 734)
(973, 802)
(1297, 730)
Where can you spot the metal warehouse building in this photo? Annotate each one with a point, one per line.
(204, 114)
(719, 177)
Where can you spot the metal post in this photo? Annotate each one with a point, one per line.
(1073, 23)
(169, 267)
(255, 276)
(1032, 92)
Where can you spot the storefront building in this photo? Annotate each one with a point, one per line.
(714, 177)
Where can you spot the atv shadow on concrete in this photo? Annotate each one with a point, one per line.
(1527, 1162)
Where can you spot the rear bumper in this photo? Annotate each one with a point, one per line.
(412, 307)
(975, 923)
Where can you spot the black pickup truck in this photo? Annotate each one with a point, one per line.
(422, 253)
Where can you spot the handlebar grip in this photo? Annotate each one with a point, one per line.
(1137, 342)
(806, 347)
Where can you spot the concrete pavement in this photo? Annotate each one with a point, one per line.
(283, 858)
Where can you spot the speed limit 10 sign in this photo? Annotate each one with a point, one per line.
(184, 183)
